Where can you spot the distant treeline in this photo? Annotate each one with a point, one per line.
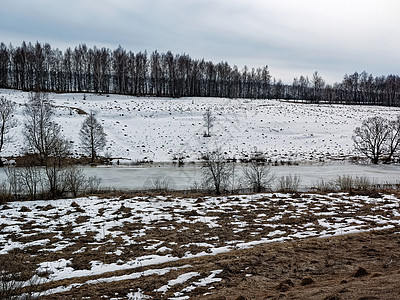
(101, 70)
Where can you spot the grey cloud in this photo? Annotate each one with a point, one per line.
(292, 37)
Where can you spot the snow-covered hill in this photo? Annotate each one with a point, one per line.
(158, 129)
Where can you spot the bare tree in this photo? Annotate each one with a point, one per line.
(92, 135)
(7, 122)
(30, 179)
(55, 165)
(257, 175)
(41, 133)
(393, 141)
(209, 120)
(43, 137)
(371, 138)
(74, 179)
(319, 84)
(217, 171)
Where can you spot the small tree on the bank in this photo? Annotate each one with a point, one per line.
(257, 175)
(209, 120)
(217, 171)
(92, 135)
(7, 122)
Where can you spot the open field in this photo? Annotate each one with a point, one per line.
(159, 129)
(261, 246)
(156, 247)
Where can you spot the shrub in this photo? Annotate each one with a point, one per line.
(349, 183)
(325, 186)
(289, 183)
(162, 184)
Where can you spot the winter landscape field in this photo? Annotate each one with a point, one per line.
(175, 246)
(205, 150)
(309, 140)
(141, 129)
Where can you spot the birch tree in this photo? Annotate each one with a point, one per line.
(209, 120)
(7, 121)
(93, 137)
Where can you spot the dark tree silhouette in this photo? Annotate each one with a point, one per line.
(92, 135)
(7, 122)
(209, 120)
(371, 138)
(217, 171)
(39, 67)
(42, 134)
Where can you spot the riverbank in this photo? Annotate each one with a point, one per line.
(167, 246)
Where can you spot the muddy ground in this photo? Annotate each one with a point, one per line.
(272, 246)
(356, 266)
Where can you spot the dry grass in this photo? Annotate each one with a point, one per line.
(313, 268)
(309, 269)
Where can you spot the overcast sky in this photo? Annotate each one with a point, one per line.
(292, 37)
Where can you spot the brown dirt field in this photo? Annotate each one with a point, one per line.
(356, 266)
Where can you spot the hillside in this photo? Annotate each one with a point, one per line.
(157, 129)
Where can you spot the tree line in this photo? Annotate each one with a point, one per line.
(39, 67)
(357, 88)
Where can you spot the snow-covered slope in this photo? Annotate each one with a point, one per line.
(158, 128)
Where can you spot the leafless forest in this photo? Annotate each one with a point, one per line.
(43, 68)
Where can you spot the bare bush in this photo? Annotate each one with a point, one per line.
(349, 183)
(196, 187)
(30, 179)
(4, 193)
(325, 186)
(34, 182)
(364, 183)
(217, 171)
(289, 183)
(344, 183)
(162, 184)
(257, 175)
(74, 179)
(92, 184)
(13, 182)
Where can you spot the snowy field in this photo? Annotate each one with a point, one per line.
(152, 241)
(157, 129)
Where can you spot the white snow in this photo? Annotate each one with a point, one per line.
(211, 215)
(158, 129)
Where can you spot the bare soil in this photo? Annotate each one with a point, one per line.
(356, 266)
(350, 266)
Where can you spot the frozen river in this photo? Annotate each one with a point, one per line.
(184, 177)
(137, 178)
